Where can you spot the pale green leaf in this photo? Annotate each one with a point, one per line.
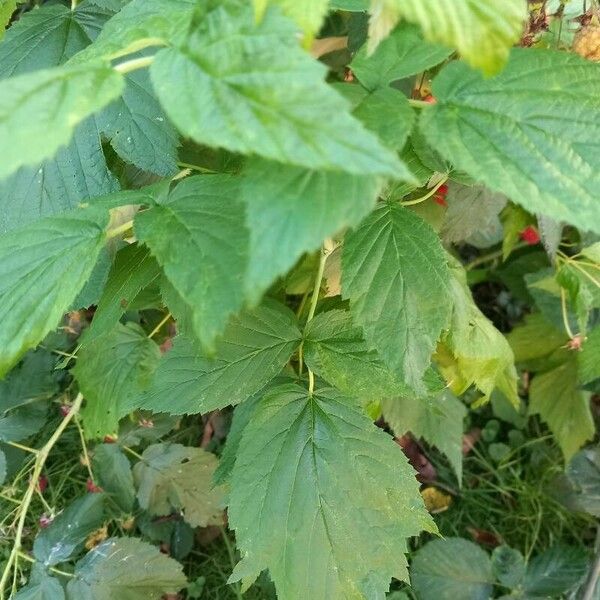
(474, 351)
(309, 14)
(7, 8)
(452, 568)
(132, 271)
(395, 274)
(201, 222)
(350, 5)
(437, 418)
(42, 268)
(40, 110)
(482, 31)
(172, 477)
(248, 87)
(335, 349)
(127, 569)
(535, 338)
(319, 495)
(470, 210)
(40, 586)
(112, 371)
(291, 210)
(530, 133)
(253, 349)
(139, 24)
(68, 531)
(402, 54)
(113, 474)
(556, 397)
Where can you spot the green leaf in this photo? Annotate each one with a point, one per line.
(132, 271)
(40, 587)
(7, 8)
(556, 397)
(202, 221)
(2, 467)
(125, 568)
(319, 461)
(589, 358)
(395, 275)
(474, 351)
(113, 473)
(291, 210)
(535, 338)
(42, 268)
(172, 477)
(112, 371)
(350, 5)
(471, 209)
(508, 566)
(451, 568)
(556, 571)
(139, 24)
(482, 31)
(138, 128)
(402, 54)
(247, 87)
(308, 14)
(582, 478)
(254, 348)
(437, 418)
(67, 533)
(335, 349)
(40, 110)
(529, 133)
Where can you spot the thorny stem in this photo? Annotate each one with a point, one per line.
(565, 315)
(22, 447)
(40, 461)
(480, 260)
(159, 326)
(428, 195)
(86, 456)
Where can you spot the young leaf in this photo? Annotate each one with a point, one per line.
(291, 210)
(112, 371)
(69, 530)
(395, 275)
(437, 418)
(254, 348)
(132, 271)
(113, 472)
(335, 349)
(556, 397)
(318, 460)
(402, 54)
(42, 268)
(248, 87)
(203, 222)
(40, 110)
(529, 133)
(474, 351)
(482, 31)
(451, 568)
(172, 477)
(125, 568)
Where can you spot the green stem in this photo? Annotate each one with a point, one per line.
(120, 230)
(428, 195)
(51, 569)
(134, 64)
(232, 560)
(40, 461)
(418, 103)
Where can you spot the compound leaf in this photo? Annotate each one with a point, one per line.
(319, 495)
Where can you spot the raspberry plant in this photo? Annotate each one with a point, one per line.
(294, 221)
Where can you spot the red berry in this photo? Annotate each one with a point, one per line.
(44, 521)
(429, 99)
(443, 190)
(92, 487)
(530, 235)
(110, 439)
(42, 483)
(440, 200)
(65, 409)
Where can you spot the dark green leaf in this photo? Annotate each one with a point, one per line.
(508, 566)
(253, 350)
(113, 473)
(395, 274)
(530, 133)
(319, 461)
(40, 587)
(589, 358)
(452, 568)
(67, 533)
